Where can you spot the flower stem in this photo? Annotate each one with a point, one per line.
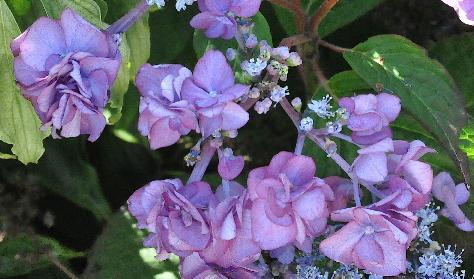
(226, 188)
(333, 46)
(125, 22)
(207, 153)
(300, 143)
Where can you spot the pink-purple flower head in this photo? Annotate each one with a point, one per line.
(164, 115)
(174, 216)
(290, 205)
(65, 68)
(464, 8)
(212, 91)
(445, 190)
(370, 116)
(375, 238)
(217, 17)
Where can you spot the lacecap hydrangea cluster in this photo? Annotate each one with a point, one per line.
(66, 68)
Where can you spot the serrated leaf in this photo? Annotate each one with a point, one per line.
(64, 171)
(88, 9)
(19, 124)
(425, 88)
(25, 253)
(119, 253)
(345, 12)
(456, 54)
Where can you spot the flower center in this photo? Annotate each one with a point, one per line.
(213, 94)
(369, 230)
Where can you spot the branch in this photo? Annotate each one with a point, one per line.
(321, 13)
(200, 168)
(55, 261)
(333, 46)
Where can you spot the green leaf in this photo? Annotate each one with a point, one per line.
(119, 253)
(456, 54)
(345, 12)
(19, 124)
(171, 33)
(64, 171)
(104, 8)
(25, 253)
(424, 86)
(88, 9)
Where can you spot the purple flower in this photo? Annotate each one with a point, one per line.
(217, 17)
(371, 164)
(290, 205)
(232, 245)
(370, 116)
(464, 8)
(164, 115)
(230, 166)
(452, 196)
(174, 216)
(65, 68)
(407, 175)
(375, 238)
(343, 192)
(212, 91)
(194, 267)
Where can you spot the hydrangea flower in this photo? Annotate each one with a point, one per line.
(174, 216)
(65, 68)
(229, 166)
(411, 177)
(164, 115)
(289, 203)
(370, 116)
(464, 8)
(217, 17)
(232, 245)
(211, 91)
(375, 239)
(445, 190)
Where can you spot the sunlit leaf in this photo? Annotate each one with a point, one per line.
(119, 253)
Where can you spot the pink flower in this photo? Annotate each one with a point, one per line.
(371, 164)
(412, 178)
(212, 91)
(217, 17)
(375, 238)
(290, 205)
(464, 8)
(65, 68)
(370, 116)
(194, 267)
(230, 166)
(452, 196)
(164, 115)
(174, 216)
(343, 192)
(232, 245)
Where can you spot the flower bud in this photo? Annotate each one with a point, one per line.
(294, 60)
